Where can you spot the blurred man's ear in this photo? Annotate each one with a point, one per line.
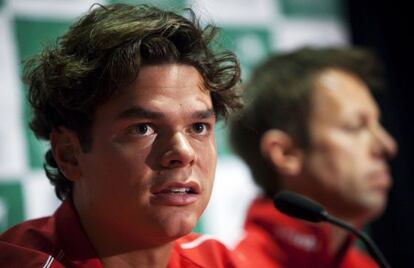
(66, 147)
(281, 151)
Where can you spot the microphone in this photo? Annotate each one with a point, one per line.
(301, 207)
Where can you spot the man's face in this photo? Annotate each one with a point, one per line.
(346, 167)
(150, 171)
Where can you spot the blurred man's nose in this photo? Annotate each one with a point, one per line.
(385, 144)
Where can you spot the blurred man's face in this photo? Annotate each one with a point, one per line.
(149, 174)
(346, 168)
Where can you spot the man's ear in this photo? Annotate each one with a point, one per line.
(66, 149)
(279, 148)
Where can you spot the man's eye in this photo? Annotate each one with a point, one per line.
(142, 130)
(199, 128)
(354, 127)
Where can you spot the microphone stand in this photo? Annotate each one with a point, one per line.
(371, 247)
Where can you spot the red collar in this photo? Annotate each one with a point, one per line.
(76, 245)
(295, 237)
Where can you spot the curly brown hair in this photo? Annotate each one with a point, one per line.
(103, 52)
(278, 97)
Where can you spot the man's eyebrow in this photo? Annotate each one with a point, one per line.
(139, 112)
(209, 113)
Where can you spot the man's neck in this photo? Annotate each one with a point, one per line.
(339, 236)
(154, 257)
(127, 253)
(123, 249)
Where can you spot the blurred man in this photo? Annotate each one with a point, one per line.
(128, 99)
(311, 126)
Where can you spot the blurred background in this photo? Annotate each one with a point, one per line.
(253, 29)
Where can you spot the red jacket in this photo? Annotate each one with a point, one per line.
(273, 240)
(59, 241)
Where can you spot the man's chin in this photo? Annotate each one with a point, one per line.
(378, 209)
(363, 211)
(179, 226)
(373, 208)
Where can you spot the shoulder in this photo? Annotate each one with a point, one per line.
(358, 258)
(28, 244)
(13, 255)
(200, 251)
(36, 233)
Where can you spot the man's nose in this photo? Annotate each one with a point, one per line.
(385, 144)
(178, 153)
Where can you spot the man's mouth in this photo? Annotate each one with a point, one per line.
(381, 179)
(178, 190)
(176, 194)
(176, 187)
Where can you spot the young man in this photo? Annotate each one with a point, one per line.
(128, 99)
(312, 127)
